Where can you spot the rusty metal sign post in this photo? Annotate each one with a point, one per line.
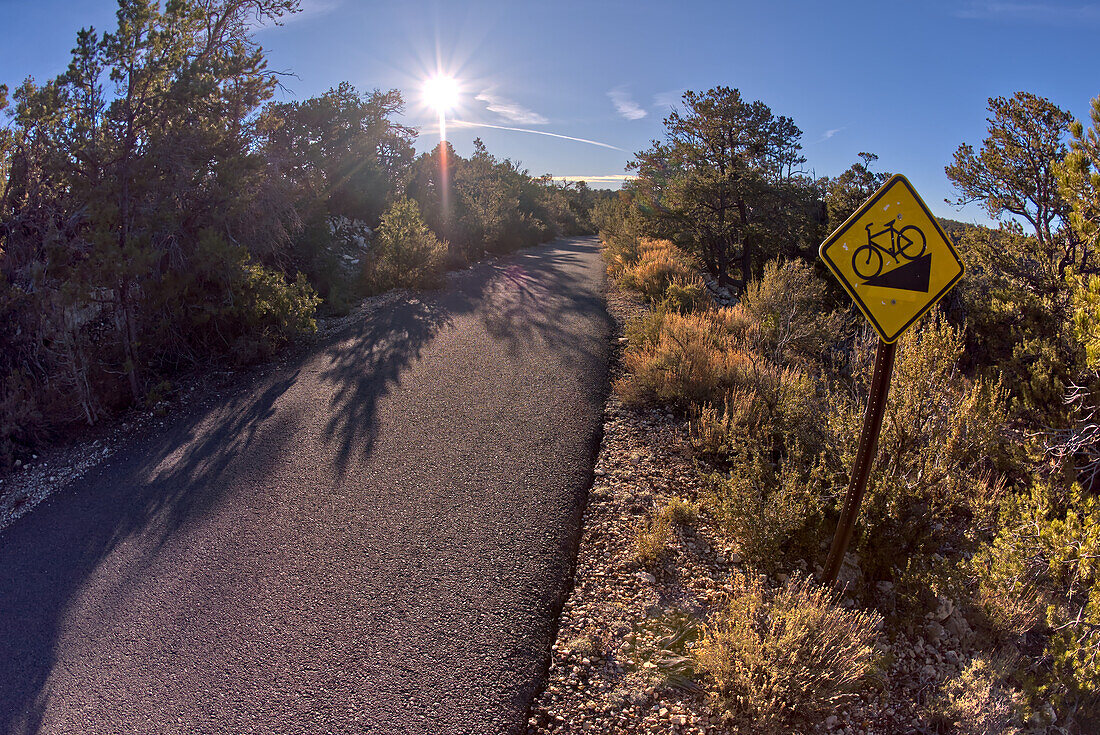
(865, 457)
(896, 262)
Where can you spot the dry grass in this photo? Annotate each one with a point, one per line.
(665, 274)
(687, 359)
(680, 512)
(782, 658)
(652, 538)
(978, 702)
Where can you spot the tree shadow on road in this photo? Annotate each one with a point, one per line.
(48, 556)
(364, 367)
(532, 298)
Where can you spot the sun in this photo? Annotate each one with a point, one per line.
(441, 93)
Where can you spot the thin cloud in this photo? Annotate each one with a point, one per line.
(467, 124)
(509, 110)
(830, 133)
(307, 9)
(625, 105)
(668, 101)
(1045, 13)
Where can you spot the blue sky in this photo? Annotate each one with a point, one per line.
(906, 80)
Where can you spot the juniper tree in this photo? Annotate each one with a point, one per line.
(721, 168)
(1013, 172)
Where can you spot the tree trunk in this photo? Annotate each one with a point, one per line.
(723, 264)
(746, 247)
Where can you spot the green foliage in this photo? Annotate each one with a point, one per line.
(404, 252)
(847, 192)
(342, 149)
(1018, 328)
(620, 226)
(22, 424)
(1086, 317)
(1014, 171)
(1079, 183)
(342, 158)
(269, 311)
(788, 315)
(766, 510)
(484, 205)
(1043, 569)
(778, 660)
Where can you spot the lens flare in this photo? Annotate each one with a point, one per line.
(441, 93)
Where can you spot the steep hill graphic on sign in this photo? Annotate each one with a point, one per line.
(912, 276)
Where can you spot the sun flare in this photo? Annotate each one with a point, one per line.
(441, 93)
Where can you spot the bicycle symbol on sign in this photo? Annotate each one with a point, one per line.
(867, 261)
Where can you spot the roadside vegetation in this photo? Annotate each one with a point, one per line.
(158, 211)
(983, 494)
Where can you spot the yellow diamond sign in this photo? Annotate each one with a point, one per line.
(893, 258)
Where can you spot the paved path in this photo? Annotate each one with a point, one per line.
(373, 539)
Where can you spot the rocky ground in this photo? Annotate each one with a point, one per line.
(622, 662)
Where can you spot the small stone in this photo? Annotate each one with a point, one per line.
(830, 721)
(646, 577)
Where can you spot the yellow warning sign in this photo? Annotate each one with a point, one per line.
(892, 258)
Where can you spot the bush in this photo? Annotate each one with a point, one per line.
(685, 360)
(658, 265)
(978, 702)
(404, 253)
(652, 538)
(786, 314)
(22, 425)
(1043, 571)
(261, 312)
(619, 225)
(778, 659)
(679, 512)
(270, 311)
(766, 511)
(686, 294)
(760, 345)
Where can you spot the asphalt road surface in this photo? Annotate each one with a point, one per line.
(374, 538)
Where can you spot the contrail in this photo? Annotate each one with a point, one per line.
(464, 124)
